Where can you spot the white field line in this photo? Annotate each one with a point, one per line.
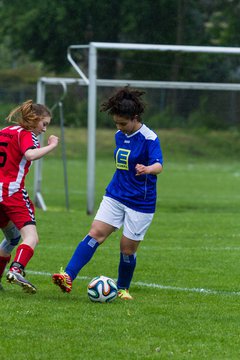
(178, 248)
(158, 286)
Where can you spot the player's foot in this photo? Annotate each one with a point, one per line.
(16, 276)
(124, 294)
(63, 280)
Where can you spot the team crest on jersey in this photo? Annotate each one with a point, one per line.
(122, 159)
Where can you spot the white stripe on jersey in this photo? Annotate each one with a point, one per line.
(1, 198)
(14, 186)
(147, 133)
(26, 199)
(15, 127)
(35, 140)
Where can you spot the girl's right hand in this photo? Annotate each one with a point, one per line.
(53, 140)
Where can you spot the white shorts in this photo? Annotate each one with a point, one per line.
(135, 223)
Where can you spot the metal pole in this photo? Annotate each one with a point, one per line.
(74, 64)
(91, 129)
(159, 47)
(64, 158)
(38, 199)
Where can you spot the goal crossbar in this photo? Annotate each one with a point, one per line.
(92, 82)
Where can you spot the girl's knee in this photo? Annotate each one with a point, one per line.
(97, 235)
(100, 231)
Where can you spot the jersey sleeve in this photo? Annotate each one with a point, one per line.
(27, 140)
(155, 151)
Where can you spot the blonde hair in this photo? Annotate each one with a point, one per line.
(28, 114)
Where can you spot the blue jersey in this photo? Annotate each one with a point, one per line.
(137, 192)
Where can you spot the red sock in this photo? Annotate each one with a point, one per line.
(23, 254)
(3, 263)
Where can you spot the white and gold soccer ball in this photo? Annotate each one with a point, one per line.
(102, 289)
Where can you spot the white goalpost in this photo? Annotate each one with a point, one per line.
(93, 82)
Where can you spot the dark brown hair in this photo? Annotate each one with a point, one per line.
(126, 102)
(28, 114)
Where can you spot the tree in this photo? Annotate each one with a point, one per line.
(45, 29)
(42, 31)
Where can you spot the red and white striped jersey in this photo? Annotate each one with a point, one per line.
(14, 142)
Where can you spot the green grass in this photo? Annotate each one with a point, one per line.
(186, 284)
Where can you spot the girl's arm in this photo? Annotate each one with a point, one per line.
(35, 154)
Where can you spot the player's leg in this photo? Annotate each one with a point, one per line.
(86, 248)
(24, 253)
(135, 227)
(127, 264)
(11, 239)
(109, 217)
(20, 211)
(82, 254)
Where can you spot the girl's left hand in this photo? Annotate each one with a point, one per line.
(141, 169)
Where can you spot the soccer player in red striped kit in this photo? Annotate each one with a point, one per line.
(19, 146)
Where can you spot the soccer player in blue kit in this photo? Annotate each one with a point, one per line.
(130, 197)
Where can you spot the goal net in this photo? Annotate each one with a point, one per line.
(174, 103)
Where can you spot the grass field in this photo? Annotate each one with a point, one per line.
(186, 285)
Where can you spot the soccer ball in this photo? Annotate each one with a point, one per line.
(102, 289)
